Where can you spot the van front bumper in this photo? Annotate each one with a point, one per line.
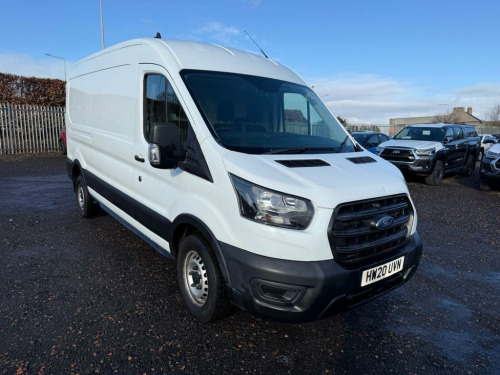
(297, 291)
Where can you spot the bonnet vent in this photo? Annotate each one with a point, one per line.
(303, 163)
(362, 160)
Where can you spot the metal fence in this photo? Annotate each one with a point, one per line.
(30, 129)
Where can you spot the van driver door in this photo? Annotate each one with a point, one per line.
(157, 189)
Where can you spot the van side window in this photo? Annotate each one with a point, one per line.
(300, 117)
(161, 105)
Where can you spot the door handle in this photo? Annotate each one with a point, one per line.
(139, 158)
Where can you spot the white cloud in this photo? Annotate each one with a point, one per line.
(371, 99)
(361, 98)
(25, 65)
(252, 3)
(219, 32)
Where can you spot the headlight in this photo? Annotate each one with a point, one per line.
(379, 150)
(491, 155)
(270, 207)
(426, 152)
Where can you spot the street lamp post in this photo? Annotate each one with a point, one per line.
(63, 59)
(102, 27)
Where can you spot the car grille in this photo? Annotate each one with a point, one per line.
(353, 236)
(397, 154)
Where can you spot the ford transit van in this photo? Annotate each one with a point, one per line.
(229, 163)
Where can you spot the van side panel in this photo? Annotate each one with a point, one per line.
(102, 113)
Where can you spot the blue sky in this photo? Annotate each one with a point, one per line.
(368, 60)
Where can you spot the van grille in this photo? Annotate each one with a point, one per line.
(354, 237)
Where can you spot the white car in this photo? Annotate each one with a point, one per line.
(486, 141)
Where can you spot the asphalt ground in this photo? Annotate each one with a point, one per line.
(84, 296)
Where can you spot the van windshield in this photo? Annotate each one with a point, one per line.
(260, 115)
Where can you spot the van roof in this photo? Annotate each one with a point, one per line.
(205, 56)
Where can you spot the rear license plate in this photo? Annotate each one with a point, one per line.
(381, 272)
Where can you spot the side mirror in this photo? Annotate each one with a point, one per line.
(165, 150)
(448, 139)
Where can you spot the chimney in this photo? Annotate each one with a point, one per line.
(469, 110)
(458, 110)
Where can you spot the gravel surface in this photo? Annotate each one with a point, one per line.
(89, 297)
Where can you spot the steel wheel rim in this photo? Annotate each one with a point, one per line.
(195, 278)
(81, 197)
(439, 172)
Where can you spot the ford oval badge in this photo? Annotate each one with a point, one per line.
(385, 222)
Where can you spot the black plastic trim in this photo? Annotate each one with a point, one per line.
(323, 288)
(303, 163)
(155, 222)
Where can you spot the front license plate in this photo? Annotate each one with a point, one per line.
(381, 272)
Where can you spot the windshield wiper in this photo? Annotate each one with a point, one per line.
(298, 150)
(341, 146)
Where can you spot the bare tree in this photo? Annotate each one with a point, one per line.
(494, 114)
(446, 119)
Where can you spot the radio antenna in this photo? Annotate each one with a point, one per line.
(256, 44)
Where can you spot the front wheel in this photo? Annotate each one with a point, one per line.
(469, 166)
(437, 174)
(200, 280)
(480, 155)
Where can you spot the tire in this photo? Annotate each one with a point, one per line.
(87, 206)
(480, 155)
(437, 174)
(484, 186)
(469, 166)
(62, 147)
(200, 280)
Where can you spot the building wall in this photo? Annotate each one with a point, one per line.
(458, 115)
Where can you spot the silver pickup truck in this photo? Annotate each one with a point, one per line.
(431, 150)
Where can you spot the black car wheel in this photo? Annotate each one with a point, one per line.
(201, 283)
(437, 174)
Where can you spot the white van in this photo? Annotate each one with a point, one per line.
(228, 162)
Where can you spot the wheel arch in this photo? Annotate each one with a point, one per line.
(74, 169)
(185, 225)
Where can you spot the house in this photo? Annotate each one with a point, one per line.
(457, 116)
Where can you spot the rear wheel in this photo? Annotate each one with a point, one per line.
(437, 174)
(200, 280)
(469, 166)
(62, 147)
(87, 206)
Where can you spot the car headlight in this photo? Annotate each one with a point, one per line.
(491, 155)
(426, 152)
(379, 150)
(270, 207)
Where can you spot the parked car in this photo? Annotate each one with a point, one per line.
(486, 141)
(489, 174)
(369, 139)
(62, 141)
(431, 150)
